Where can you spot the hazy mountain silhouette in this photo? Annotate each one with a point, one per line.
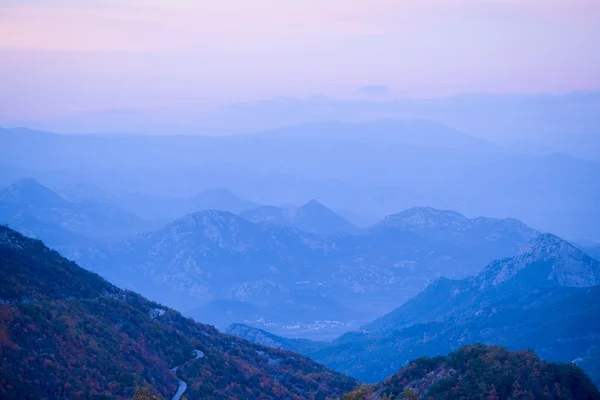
(214, 255)
(27, 201)
(385, 166)
(312, 217)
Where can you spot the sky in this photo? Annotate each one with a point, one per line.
(171, 59)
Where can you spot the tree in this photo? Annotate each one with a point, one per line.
(144, 394)
(409, 394)
(358, 394)
(492, 394)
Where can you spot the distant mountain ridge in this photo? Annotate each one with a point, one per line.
(385, 166)
(294, 279)
(418, 132)
(158, 208)
(491, 236)
(546, 298)
(218, 199)
(448, 225)
(26, 201)
(311, 217)
(423, 218)
(215, 255)
(54, 234)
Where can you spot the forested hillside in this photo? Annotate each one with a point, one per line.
(65, 333)
(482, 372)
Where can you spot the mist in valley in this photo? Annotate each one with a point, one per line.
(241, 207)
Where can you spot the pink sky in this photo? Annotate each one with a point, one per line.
(58, 57)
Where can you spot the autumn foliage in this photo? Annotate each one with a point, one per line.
(484, 372)
(66, 333)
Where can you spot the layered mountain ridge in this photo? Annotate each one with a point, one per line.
(197, 258)
(311, 217)
(26, 201)
(298, 281)
(546, 262)
(158, 208)
(545, 298)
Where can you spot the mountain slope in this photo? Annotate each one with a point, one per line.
(546, 262)
(90, 218)
(268, 339)
(483, 372)
(312, 217)
(215, 255)
(67, 333)
(546, 298)
(53, 234)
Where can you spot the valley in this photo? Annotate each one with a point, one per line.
(300, 200)
(546, 299)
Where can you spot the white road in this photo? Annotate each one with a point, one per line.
(182, 385)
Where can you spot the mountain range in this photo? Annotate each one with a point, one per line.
(292, 282)
(297, 277)
(545, 298)
(156, 208)
(81, 212)
(311, 217)
(373, 168)
(67, 333)
(28, 205)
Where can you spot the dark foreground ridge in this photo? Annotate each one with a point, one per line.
(66, 333)
(482, 372)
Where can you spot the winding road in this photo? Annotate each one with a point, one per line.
(182, 385)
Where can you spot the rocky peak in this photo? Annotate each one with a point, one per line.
(311, 217)
(547, 259)
(223, 228)
(253, 335)
(209, 221)
(548, 245)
